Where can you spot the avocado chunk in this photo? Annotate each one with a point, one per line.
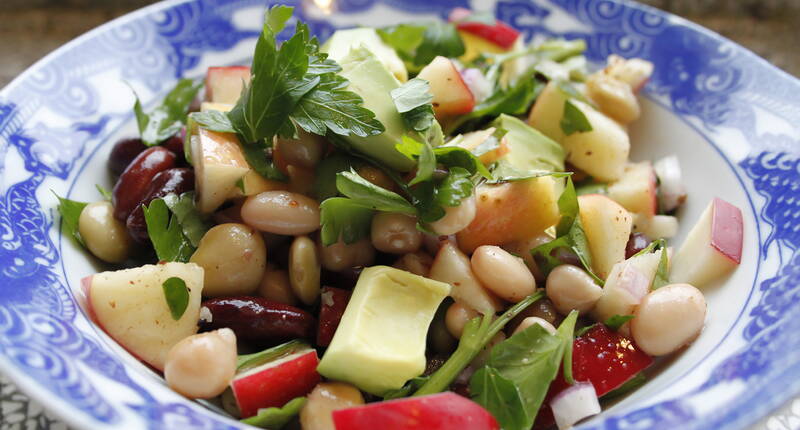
(371, 80)
(529, 149)
(342, 41)
(380, 342)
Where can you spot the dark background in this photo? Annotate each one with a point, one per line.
(29, 29)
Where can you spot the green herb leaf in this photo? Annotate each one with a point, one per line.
(617, 321)
(370, 195)
(566, 332)
(568, 208)
(258, 156)
(503, 171)
(662, 272)
(167, 119)
(166, 234)
(453, 156)
(439, 38)
(325, 178)
(412, 385)
(213, 120)
(591, 187)
(193, 224)
(107, 196)
(177, 296)
(583, 330)
(249, 361)
(455, 187)
(413, 102)
(500, 397)
(276, 418)
(574, 120)
(423, 154)
(512, 101)
(70, 211)
(344, 218)
(404, 38)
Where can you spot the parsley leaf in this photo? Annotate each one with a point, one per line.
(193, 225)
(574, 120)
(168, 118)
(370, 195)
(177, 296)
(512, 101)
(166, 234)
(276, 418)
(213, 120)
(423, 154)
(70, 211)
(325, 177)
(455, 187)
(617, 321)
(501, 397)
(259, 156)
(413, 102)
(419, 44)
(344, 218)
(453, 156)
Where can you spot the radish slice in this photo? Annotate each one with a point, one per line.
(672, 192)
(477, 83)
(574, 404)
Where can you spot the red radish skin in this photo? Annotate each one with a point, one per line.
(727, 230)
(444, 411)
(274, 384)
(334, 302)
(500, 34)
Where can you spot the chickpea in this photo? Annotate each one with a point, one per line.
(281, 212)
(668, 318)
(304, 152)
(418, 263)
(456, 218)
(570, 287)
(276, 286)
(376, 177)
(105, 236)
(323, 400)
(615, 98)
(502, 273)
(457, 317)
(202, 365)
(341, 256)
(527, 322)
(304, 270)
(395, 233)
(233, 257)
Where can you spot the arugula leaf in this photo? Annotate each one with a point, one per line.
(213, 120)
(192, 223)
(574, 120)
(370, 195)
(107, 196)
(70, 211)
(325, 178)
(177, 296)
(249, 361)
(514, 100)
(423, 154)
(439, 38)
(165, 232)
(568, 208)
(500, 397)
(617, 321)
(276, 418)
(344, 218)
(413, 102)
(168, 118)
(566, 332)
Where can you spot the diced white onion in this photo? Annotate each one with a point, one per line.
(574, 404)
(672, 192)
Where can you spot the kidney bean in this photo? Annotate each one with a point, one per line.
(123, 152)
(334, 302)
(175, 144)
(636, 243)
(346, 278)
(259, 320)
(170, 181)
(135, 180)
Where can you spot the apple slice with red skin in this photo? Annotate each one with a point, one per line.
(333, 303)
(500, 34)
(443, 411)
(274, 383)
(600, 356)
(451, 95)
(224, 84)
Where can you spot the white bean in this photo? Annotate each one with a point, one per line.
(276, 286)
(341, 256)
(668, 318)
(455, 218)
(395, 233)
(457, 317)
(233, 257)
(304, 270)
(317, 413)
(527, 322)
(105, 236)
(281, 212)
(202, 365)
(571, 288)
(502, 273)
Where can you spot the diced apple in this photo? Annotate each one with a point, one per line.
(274, 383)
(451, 95)
(499, 33)
(601, 152)
(453, 267)
(510, 212)
(656, 227)
(218, 166)
(608, 228)
(225, 84)
(636, 189)
(473, 140)
(253, 183)
(221, 107)
(627, 285)
(713, 247)
(333, 302)
(130, 306)
(634, 71)
(443, 411)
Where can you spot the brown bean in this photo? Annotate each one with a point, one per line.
(543, 309)
(377, 177)
(301, 180)
(275, 286)
(281, 212)
(305, 152)
(123, 152)
(135, 180)
(170, 181)
(259, 320)
(418, 263)
(342, 256)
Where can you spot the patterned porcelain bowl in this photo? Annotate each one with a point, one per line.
(731, 118)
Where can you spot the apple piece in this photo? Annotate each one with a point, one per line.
(333, 302)
(713, 247)
(499, 34)
(656, 227)
(608, 228)
(472, 141)
(274, 383)
(510, 212)
(626, 286)
(636, 189)
(451, 95)
(218, 166)
(221, 107)
(253, 183)
(601, 152)
(443, 411)
(634, 71)
(130, 306)
(225, 84)
(453, 267)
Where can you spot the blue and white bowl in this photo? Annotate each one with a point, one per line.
(732, 119)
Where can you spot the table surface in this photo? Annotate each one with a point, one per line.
(29, 29)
